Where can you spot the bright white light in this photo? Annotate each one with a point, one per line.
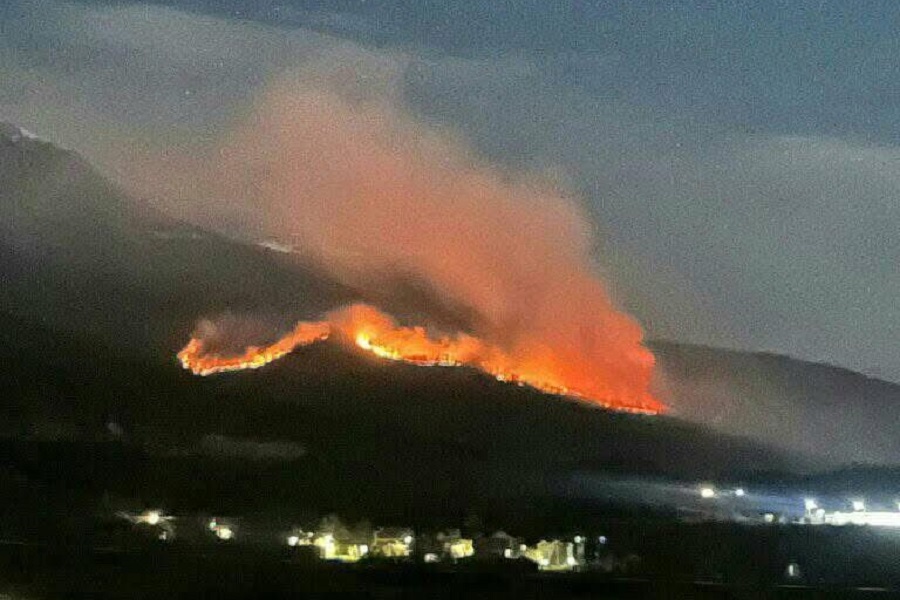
(578, 539)
(363, 549)
(707, 492)
(431, 557)
(544, 562)
(602, 539)
(152, 517)
(810, 504)
(224, 533)
(793, 570)
(213, 524)
(739, 492)
(293, 540)
(859, 505)
(507, 553)
(328, 548)
(571, 561)
(875, 519)
(407, 540)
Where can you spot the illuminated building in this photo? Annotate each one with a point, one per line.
(555, 555)
(871, 518)
(339, 547)
(459, 548)
(578, 549)
(793, 571)
(454, 546)
(859, 515)
(222, 530)
(499, 544)
(771, 518)
(347, 551)
(392, 542)
(149, 517)
(156, 520)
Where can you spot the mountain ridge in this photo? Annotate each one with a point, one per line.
(135, 290)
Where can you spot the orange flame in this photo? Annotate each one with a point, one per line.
(194, 355)
(377, 333)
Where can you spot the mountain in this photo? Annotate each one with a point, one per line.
(99, 293)
(836, 415)
(77, 253)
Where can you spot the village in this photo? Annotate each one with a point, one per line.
(333, 541)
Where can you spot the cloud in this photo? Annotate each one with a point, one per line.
(118, 81)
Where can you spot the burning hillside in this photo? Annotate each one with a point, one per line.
(372, 331)
(350, 182)
(197, 356)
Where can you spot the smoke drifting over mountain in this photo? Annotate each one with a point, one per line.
(348, 180)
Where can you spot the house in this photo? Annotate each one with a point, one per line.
(393, 542)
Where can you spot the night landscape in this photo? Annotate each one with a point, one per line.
(375, 299)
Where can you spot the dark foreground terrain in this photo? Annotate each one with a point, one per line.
(667, 561)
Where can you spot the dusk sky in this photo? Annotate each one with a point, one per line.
(740, 163)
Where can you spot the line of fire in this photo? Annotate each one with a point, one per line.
(374, 332)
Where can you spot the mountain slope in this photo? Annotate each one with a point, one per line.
(835, 414)
(78, 253)
(93, 314)
(374, 436)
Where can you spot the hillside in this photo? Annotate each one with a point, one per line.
(90, 323)
(78, 254)
(831, 413)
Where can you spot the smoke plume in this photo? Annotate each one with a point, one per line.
(373, 195)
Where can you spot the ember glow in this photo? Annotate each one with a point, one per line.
(196, 356)
(366, 328)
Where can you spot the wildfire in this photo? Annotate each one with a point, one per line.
(374, 332)
(195, 358)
